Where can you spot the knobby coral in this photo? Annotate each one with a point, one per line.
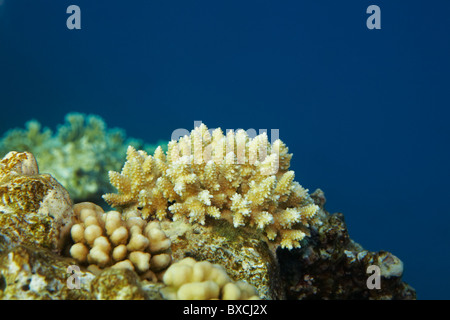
(244, 180)
(191, 280)
(109, 240)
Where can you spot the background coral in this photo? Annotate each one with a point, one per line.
(109, 240)
(79, 155)
(234, 177)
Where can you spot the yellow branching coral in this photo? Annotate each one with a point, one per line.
(244, 180)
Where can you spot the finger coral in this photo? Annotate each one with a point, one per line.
(244, 180)
(108, 240)
(79, 154)
(192, 280)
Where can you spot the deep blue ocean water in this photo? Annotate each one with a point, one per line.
(365, 112)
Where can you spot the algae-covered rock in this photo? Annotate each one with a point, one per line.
(333, 266)
(34, 208)
(117, 284)
(28, 273)
(152, 290)
(243, 253)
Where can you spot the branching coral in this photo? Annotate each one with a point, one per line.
(107, 239)
(192, 280)
(234, 177)
(29, 139)
(79, 155)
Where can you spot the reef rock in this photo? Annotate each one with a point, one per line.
(34, 208)
(243, 252)
(28, 273)
(117, 284)
(332, 266)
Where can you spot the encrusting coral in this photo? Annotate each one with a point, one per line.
(79, 154)
(234, 177)
(191, 280)
(108, 240)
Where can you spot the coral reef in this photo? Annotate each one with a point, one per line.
(234, 177)
(34, 208)
(108, 240)
(192, 280)
(187, 229)
(79, 155)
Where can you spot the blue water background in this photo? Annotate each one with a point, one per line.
(365, 112)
